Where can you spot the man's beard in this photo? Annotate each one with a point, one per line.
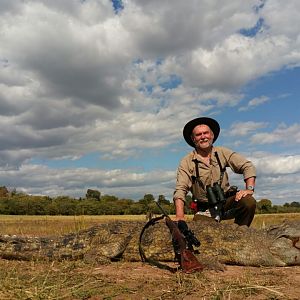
(200, 144)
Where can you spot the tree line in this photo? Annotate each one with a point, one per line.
(17, 203)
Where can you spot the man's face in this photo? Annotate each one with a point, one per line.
(202, 137)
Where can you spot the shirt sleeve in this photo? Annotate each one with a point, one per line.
(183, 180)
(239, 164)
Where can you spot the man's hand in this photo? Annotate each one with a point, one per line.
(242, 193)
(250, 182)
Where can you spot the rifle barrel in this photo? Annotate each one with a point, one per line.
(162, 210)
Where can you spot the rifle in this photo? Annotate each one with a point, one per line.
(183, 241)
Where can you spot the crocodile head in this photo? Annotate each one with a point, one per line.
(286, 242)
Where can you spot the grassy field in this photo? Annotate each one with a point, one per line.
(125, 280)
(57, 225)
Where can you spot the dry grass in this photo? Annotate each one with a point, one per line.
(58, 225)
(54, 225)
(261, 221)
(124, 280)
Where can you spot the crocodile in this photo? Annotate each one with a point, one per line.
(278, 245)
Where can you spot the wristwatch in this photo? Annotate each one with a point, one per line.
(250, 188)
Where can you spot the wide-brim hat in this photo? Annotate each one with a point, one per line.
(188, 128)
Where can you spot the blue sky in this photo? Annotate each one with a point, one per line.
(95, 93)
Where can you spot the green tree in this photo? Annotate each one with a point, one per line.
(109, 198)
(264, 206)
(88, 207)
(137, 209)
(52, 208)
(148, 198)
(4, 206)
(93, 194)
(4, 191)
(124, 206)
(37, 205)
(18, 206)
(66, 205)
(146, 202)
(162, 200)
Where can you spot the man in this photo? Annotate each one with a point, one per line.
(206, 165)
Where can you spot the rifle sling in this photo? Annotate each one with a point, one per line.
(151, 261)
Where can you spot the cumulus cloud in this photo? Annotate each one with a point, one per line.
(274, 165)
(78, 66)
(290, 135)
(278, 177)
(76, 78)
(245, 128)
(33, 179)
(254, 102)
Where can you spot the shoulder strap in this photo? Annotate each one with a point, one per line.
(222, 169)
(197, 177)
(196, 162)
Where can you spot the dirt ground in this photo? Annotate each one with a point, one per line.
(142, 281)
(138, 281)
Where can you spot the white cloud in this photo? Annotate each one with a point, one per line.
(69, 65)
(285, 135)
(254, 102)
(74, 182)
(278, 177)
(274, 165)
(282, 19)
(245, 128)
(76, 78)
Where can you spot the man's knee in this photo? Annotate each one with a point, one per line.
(245, 211)
(248, 202)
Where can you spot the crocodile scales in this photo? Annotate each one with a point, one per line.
(279, 245)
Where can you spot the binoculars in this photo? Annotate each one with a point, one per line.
(217, 199)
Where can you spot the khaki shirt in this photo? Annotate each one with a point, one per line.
(209, 174)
